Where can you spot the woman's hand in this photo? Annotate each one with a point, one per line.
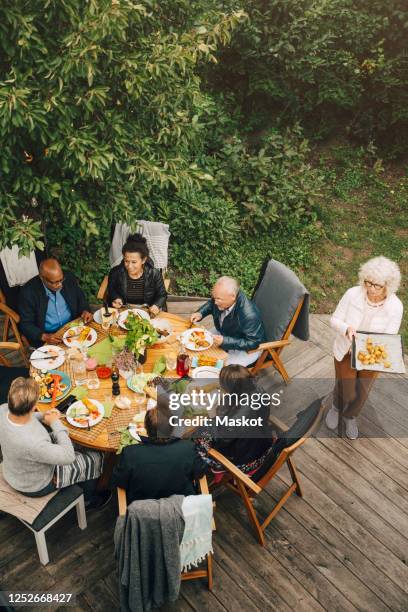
(196, 317)
(154, 309)
(117, 303)
(350, 333)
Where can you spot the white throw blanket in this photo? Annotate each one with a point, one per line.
(18, 270)
(157, 237)
(197, 537)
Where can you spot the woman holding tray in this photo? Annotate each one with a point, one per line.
(373, 307)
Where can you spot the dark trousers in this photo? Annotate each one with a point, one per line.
(352, 387)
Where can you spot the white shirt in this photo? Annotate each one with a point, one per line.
(354, 311)
(225, 313)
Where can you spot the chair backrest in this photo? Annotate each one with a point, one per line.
(157, 236)
(306, 423)
(283, 302)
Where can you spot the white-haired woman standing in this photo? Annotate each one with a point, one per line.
(372, 306)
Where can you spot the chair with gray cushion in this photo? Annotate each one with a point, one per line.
(284, 305)
(56, 508)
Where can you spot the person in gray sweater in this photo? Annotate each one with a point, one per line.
(36, 462)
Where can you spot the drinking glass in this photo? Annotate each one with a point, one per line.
(79, 372)
(183, 364)
(171, 361)
(93, 380)
(138, 368)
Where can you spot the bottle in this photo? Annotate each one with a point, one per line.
(183, 362)
(115, 380)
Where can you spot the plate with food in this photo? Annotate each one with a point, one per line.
(98, 314)
(197, 339)
(80, 336)
(163, 328)
(378, 352)
(47, 382)
(137, 382)
(137, 311)
(48, 357)
(85, 413)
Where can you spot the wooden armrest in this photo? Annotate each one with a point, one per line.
(12, 346)
(102, 289)
(203, 485)
(122, 503)
(270, 345)
(234, 471)
(8, 311)
(278, 423)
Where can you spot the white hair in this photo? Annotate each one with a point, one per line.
(229, 283)
(382, 271)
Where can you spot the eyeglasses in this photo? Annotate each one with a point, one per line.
(373, 285)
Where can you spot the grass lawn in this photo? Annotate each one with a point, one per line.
(364, 213)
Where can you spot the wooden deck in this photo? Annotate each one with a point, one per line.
(343, 547)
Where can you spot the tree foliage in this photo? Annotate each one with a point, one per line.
(100, 108)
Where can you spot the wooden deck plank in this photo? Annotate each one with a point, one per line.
(341, 548)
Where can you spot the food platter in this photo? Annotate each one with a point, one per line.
(46, 383)
(206, 372)
(80, 336)
(164, 329)
(378, 352)
(124, 315)
(47, 350)
(98, 314)
(85, 413)
(197, 339)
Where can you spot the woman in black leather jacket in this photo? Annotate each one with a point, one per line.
(135, 280)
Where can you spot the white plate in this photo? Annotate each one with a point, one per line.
(98, 314)
(164, 325)
(75, 342)
(124, 315)
(190, 345)
(133, 432)
(92, 422)
(205, 372)
(47, 364)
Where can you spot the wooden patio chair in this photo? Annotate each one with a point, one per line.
(249, 487)
(192, 574)
(14, 342)
(284, 305)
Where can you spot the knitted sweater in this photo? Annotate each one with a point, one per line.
(29, 454)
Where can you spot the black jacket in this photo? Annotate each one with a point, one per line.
(242, 329)
(154, 290)
(33, 303)
(152, 471)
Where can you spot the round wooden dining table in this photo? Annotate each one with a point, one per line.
(105, 436)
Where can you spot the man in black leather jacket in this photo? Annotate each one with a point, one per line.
(237, 320)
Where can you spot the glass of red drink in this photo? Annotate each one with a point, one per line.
(183, 364)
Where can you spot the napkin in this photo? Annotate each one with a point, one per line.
(102, 351)
(79, 392)
(108, 407)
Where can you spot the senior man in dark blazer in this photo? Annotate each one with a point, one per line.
(48, 301)
(238, 324)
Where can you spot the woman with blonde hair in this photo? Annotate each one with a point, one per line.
(372, 306)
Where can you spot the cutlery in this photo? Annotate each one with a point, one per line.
(44, 358)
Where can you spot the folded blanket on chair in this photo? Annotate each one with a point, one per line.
(20, 506)
(147, 549)
(197, 538)
(18, 270)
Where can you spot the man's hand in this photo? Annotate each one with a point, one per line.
(154, 310)
(218, 340)
(196, 317)
(51, 416)
(50, 339)
(117, 303)
(86, 316)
